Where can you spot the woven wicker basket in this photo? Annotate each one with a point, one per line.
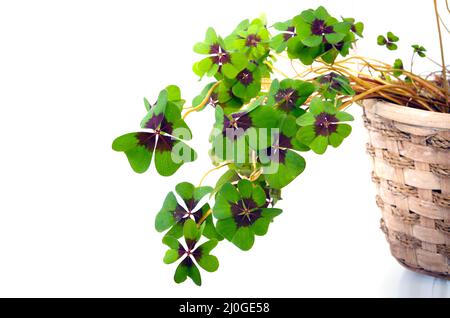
(410, 149)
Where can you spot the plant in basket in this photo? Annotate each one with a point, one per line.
(262, 120)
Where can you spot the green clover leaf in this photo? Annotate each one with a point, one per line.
(355, 27)
(163, 137)
(280, 163)
(280, 41)
(219, 61)
(392, 37)
(419, 49)
(241, 212)
(229, 176)
(321, 126)
(332, 50)
(288, 95)
(388, 41)
(173, 97)
(212, 101)
(332, 84)
(398, 67)
(229, 102)
(190, 252)
(324, 35)
(315, 27)
(297, 50)
(221, 96)
(381, 40)
(252, 39)
(173, 214)
(235, 134)
(245, 85)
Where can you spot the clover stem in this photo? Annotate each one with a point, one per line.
(255, 174)
(265, 84)
(204, 101)
(444, 69)
(415, 81)
(433, 61)
(293, 67)
(388, 69)
(203, 218)
(443, 24)
(381, 67)
(254, 159)
(412, 61)
(211, 170)
(373, 90)
(364, 59)
(386, 96)
(369, 87)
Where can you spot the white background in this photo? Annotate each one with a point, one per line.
(76, 221)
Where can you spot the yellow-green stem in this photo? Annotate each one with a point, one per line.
(444, 69)
(211, 170)
(203, 218)
(204, 101)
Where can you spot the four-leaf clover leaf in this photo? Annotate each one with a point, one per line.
(315, 27)
(219, 60)
(242, 214)
(247, 83)
(314, 33)
(322, 126)
(174, 214)
(250, 38)
(280, 162)
(165, 130)
(289, 94)
(231, 137)
(192, 254)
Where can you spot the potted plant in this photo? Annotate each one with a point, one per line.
(408, 120)
(261, 125)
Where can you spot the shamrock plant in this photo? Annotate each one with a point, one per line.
(260, 124)
(390, 42)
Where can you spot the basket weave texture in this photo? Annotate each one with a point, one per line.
(410, 149)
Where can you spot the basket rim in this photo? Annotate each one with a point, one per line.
(407, 115)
